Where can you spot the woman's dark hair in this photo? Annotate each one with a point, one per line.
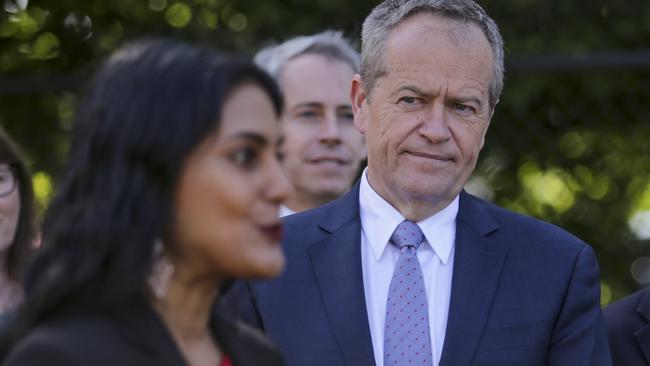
(23, 241)
(150, 105)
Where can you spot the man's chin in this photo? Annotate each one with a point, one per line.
(328, 170)
(328, 189)
(429, 189)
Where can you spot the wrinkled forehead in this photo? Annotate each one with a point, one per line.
(421, 27)
(434, 44)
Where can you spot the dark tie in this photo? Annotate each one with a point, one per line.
(406, 334)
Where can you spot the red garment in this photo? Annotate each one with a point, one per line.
(225, 361)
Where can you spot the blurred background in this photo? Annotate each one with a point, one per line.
(569, 142)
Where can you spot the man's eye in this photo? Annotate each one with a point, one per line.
(308, 114)
(244, 157)
(346, 116)
(464, 108)
(408, 100)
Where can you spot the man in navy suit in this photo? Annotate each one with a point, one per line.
(495, 287)
(628, 327)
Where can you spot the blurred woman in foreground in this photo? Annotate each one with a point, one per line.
(16, 221)
(171, 190)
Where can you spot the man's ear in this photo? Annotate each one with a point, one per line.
(359, 105)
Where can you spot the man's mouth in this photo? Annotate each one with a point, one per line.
(430, 156)
(329, 160)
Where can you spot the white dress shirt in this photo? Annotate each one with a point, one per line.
(285, 211)
(436, 255)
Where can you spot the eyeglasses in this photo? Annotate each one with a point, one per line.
(7, 181)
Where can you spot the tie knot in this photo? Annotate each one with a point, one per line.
(407, 233)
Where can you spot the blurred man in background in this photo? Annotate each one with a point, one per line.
(322, 150)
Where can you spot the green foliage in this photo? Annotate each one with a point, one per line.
(569, 147)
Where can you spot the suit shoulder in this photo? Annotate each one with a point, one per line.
(622, 314)
(515, 226)
(307, 218)
(305, 227)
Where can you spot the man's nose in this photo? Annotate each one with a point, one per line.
(435, 124)
(330, 132)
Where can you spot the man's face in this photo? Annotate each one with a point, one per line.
(322, 149)
(426, 118)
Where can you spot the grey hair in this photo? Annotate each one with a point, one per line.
(329, 44)
(390, 13)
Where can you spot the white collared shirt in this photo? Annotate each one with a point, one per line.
(436, 255)
(285, 211)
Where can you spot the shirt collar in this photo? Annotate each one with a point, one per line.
(285, 211)
(379, 219)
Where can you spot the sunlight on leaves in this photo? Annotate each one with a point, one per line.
(43, 189)
(178, 15)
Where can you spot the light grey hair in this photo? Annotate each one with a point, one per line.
(390, 13)
(329, 44)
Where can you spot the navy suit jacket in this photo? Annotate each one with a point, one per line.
(628, 326)
(524, 292)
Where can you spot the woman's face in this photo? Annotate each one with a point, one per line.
(226, 204)
(9, 208)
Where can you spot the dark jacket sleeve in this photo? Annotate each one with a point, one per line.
(36, 351)
(625, 326)
(579, 338)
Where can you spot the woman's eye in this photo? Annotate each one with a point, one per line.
(279, 154)
(245, 157)
(5, 176)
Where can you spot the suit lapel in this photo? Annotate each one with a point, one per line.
(642, 336)
(336, 261)
(477, 267)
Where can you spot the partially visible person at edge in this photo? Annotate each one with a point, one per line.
(628, 327)
(321, 149)
(408, 268)
(171, 190)
(17, 222)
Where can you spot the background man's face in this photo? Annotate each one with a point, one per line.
(322, 149)
(426, 120)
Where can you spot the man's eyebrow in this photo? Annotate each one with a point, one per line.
(253, 137)
(420, 92)
(413, 89)
(308, 105)
(466, 99)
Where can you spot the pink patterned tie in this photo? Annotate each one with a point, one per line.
(406, 335)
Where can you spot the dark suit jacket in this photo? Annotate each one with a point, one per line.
(132, 335)
(524, 292)
(628, 326)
